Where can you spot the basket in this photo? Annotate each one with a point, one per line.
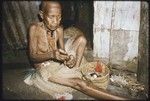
(101, 82)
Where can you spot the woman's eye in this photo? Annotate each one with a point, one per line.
(51, 17)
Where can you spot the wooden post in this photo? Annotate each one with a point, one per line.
(142, 71)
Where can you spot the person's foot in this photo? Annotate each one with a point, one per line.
(64, 96)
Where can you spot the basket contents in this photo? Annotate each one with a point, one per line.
(98, 67)
(96, 72)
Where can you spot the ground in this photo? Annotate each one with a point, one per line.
(14, 69)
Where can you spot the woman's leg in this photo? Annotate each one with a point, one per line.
(85, 87)
(79, 45)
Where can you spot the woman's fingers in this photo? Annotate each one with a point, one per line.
(63, 57)
(70, 63)
(62, 52)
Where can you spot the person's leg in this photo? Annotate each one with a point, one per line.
(85, 87)
(79, 45)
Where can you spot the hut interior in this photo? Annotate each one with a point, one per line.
(116, 32)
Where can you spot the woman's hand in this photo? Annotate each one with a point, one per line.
(62, 51)
(71, 62)
(59, 56)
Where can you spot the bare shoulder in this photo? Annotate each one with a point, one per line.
(35, 25)
(34, 28)
(60, 28)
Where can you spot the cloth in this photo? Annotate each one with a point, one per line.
(39, 78)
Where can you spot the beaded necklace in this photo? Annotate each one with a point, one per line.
(52, 38)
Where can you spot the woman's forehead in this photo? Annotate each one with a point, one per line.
(53, 11)
(52, 7)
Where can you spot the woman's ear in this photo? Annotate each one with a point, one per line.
(41, 14)
(60, 18)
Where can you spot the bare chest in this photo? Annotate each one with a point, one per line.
(52, 38)
(47, 41)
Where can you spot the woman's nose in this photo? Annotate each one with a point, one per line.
(55, 21)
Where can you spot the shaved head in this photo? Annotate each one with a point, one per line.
(46, 5)
(50, 13)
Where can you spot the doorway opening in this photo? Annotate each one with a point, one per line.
(80, 15)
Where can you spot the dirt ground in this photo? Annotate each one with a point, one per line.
(14, 67)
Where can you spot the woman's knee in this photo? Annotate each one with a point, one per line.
(82, 40)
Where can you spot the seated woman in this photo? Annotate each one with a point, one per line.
(53, 59)
(49, 54)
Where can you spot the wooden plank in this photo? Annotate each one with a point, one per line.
(101, 43)
(127, 15)
(17, 16)
(124, 48)
(124, 35)
(10, 24)
(26, 13)
(101, 29)
(112, 40)
(6, 34)
(102, 14)
(34, 7)
(132, 46)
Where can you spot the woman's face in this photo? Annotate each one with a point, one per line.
(52, 16)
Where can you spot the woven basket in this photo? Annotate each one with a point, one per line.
(101, 82)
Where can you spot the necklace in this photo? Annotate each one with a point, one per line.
(48, 30)
(51, 32)
(52, 38)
